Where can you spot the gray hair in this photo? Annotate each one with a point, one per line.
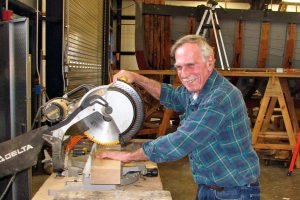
(204, 47)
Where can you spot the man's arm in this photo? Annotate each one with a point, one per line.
(153, 87)
(137, 155)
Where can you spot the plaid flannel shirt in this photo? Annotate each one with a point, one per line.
(214, 132)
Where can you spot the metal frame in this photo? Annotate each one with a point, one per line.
(252, 15)
(15, 95)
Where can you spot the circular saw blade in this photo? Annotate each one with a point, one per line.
(104, 130)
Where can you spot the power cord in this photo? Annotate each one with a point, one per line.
(8, 186)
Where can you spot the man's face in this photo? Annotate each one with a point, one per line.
(192, 70)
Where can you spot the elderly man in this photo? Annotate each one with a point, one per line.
(214, 131)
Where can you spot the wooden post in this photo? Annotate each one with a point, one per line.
(264, 44)
(290, 45)
(165, 123)
(239, 31)
(191, 25)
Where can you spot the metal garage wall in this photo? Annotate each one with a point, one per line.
(83, 40)
(250, 44)
(277, 42)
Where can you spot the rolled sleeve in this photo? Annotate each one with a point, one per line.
(155, 150)
(197, 130)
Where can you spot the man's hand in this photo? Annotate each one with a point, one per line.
(129, 76)
(114, 155)
(125, 157)
(152, 86)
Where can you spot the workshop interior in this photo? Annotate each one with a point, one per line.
(59, 104)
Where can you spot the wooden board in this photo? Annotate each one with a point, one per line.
(290, 46)
(157, 34)
(239, 32)
(105, 171)
(109, 195)
(264, 44)
(240, 72)
(191, 25)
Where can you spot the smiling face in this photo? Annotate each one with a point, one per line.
(193, 70)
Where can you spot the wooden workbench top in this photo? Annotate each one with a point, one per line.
(239, 72)
(144, 188)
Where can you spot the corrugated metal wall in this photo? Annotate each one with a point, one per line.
(83, 42)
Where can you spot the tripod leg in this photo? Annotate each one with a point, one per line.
(209, 19)
(201, 22)
(217, 39)
(221, 39)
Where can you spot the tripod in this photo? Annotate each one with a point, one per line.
(213, 19)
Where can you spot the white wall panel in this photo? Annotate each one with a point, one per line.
(128, 35)
(129, 62)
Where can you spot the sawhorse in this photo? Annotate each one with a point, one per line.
(276, 90)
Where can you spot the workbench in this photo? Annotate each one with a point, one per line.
(144, 188)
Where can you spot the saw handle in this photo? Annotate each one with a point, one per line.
(86, 87)
(123, 78)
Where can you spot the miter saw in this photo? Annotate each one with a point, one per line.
(107, 115)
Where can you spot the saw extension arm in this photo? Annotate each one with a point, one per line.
(21, 152)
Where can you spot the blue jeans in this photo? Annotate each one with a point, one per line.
(247, 192)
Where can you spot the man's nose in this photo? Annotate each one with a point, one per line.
(184, 72)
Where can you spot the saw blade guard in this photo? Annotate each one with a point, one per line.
(129, 131)
(122, 117)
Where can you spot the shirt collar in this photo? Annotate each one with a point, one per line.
(208, 85)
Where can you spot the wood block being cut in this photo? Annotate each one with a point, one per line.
(104, 171)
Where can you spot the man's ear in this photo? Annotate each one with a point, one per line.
(211, 63)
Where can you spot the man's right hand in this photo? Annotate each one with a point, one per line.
(114, 155)
(123, 156)
(130, 77)
(152, 86)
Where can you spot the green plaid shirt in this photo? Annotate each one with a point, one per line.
(215, 133)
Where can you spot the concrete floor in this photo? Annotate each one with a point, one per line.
(176, 178)
(275, 184)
